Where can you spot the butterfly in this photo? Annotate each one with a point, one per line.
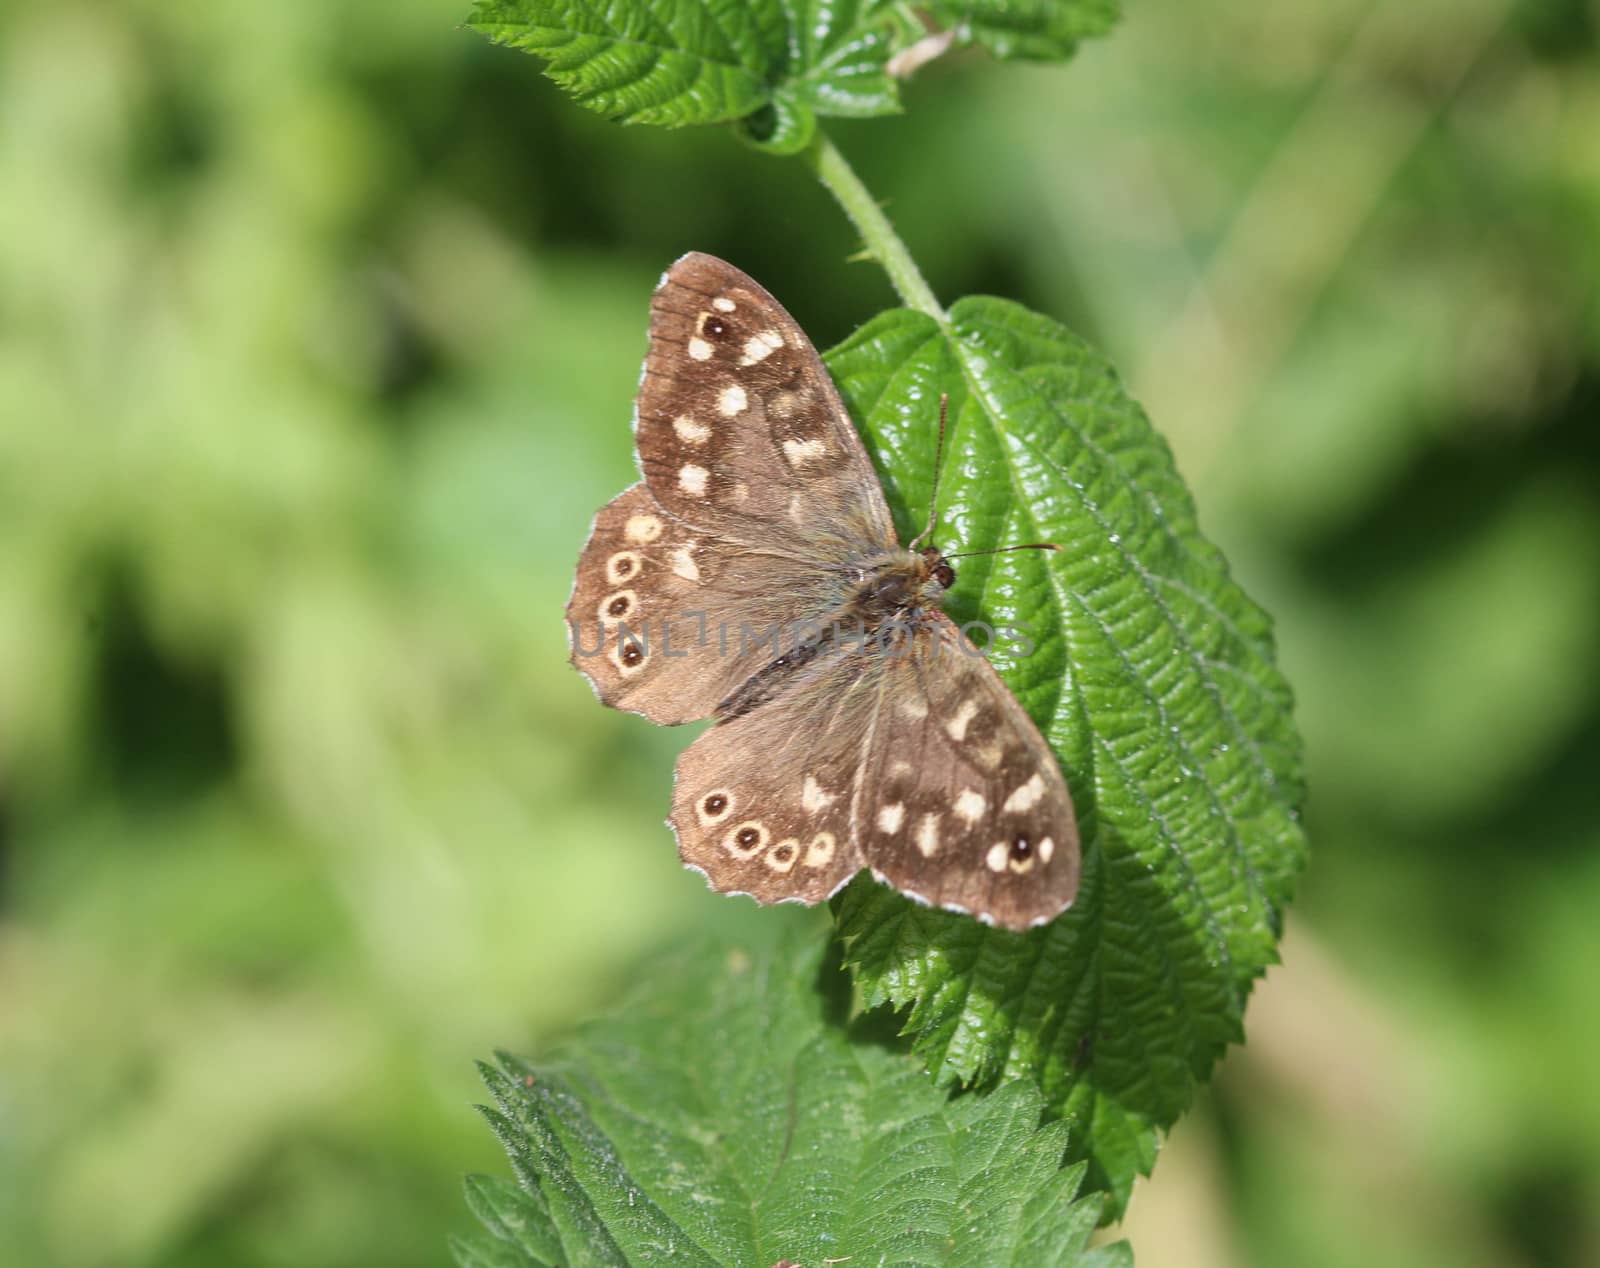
(753, 577)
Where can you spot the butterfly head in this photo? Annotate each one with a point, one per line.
(937, 568)
(902, 581)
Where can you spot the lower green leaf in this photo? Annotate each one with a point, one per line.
(726, 1115)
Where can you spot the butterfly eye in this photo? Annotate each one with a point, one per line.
(945, 575)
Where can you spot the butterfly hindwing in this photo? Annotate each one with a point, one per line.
(921, 766)
(763, 803)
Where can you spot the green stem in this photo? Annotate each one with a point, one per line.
(882, 243)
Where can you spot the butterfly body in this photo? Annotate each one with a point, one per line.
(895, 589)
(754, 577)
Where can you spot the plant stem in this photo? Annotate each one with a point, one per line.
(882, 243)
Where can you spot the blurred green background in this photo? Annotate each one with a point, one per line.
(319, 326)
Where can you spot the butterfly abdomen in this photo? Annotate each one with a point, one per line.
(771, 679)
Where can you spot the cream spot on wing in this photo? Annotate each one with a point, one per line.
(760, 346)
(683, 564)
(797, 508)
(1027, 796)
(783, 856)
(622, 565)
(740, 492)
(732, 400)
(989, 754)
(1047, 847)
(1019, 866)
(723, 304)
(890, 817)
(914, 707)
(714, 807)
(799, 452)
(699, 349)
(690, 431)
(899, 768)
(813, 797)
(971, 804)
(692, 479)
(746, 840)
(956, 728)
(820, 852)
(999, 852)
(642, 529)
(783, 404)
(928, 835)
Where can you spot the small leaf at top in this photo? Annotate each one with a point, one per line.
(726, 1116)
(679, 62)
(771, 65)
(1153, 678)
(1038, 30)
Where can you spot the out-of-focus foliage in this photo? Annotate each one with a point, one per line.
(318, 331)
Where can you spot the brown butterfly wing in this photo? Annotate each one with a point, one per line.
(923, 767)
(763, 804)
(666, 620)
(740, 430)
(963, 805)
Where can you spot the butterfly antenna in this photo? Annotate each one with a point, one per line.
(1006, 550)
(938, 464)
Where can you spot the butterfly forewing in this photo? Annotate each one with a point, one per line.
(740, 430)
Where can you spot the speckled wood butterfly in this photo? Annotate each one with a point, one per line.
(754, 577)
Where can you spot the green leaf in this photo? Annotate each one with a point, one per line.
(1152, 677)
(727, 1116)
(1040, 30)
(679, 62)
(518, 1219)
